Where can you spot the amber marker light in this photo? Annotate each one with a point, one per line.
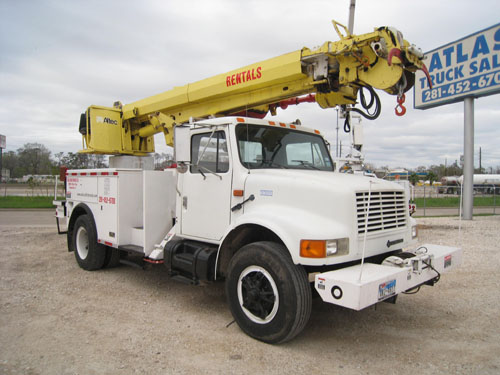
(238, 193)
(313, 248)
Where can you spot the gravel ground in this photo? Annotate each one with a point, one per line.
(58, 319)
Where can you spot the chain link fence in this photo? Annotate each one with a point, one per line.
(486, 199)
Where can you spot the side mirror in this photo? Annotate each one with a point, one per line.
(182, 167)
(182, 145)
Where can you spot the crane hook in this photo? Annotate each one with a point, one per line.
(400, 109)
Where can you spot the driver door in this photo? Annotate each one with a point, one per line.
(206, 187)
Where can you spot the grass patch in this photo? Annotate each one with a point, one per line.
(455, 201)
(26, 202)
(46, 202)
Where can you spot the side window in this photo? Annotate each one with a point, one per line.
(318, 159)
(209, 153)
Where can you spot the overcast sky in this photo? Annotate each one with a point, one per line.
(58, 57)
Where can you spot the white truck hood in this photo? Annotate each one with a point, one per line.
(322, 205)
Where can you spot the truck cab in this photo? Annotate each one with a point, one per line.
(279, 178)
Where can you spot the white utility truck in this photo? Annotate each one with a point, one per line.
(254, 202)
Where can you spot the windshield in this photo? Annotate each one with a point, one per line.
(269, 147)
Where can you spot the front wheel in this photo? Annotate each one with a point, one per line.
(269, 296)
(89, 254)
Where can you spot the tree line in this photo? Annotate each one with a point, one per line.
(36, 159)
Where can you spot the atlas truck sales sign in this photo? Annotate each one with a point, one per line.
(467, 67)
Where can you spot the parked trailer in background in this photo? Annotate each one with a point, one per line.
(449, 185)
(483, 183)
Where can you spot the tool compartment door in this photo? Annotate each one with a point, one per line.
(107, 209)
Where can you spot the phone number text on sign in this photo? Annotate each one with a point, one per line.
(462, 87)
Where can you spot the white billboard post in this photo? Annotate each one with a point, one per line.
(461, 71)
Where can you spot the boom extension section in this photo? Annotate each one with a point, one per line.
(333, 74)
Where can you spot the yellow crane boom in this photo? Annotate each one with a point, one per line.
(334, 73)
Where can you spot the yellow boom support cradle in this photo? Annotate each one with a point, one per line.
(334, 72)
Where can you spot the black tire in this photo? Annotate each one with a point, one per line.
(112, 258)
(88, 253)
(269, 296)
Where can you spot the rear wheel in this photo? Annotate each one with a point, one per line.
(88, 253)
(269, 296)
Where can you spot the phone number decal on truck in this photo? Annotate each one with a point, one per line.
(107, 200)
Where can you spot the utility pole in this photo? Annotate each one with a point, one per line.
(350, 28)
(350, 25)
(468, 180)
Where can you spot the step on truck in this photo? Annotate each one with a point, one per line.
(252, 202)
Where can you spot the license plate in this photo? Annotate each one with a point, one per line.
(386, 289)
(321, 283)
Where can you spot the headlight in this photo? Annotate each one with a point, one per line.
(337, 247)
(324, 248)
(331, 248)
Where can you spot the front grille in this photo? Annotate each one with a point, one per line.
(387, 210)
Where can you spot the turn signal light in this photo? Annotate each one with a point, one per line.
(313, 248)
(324, 248)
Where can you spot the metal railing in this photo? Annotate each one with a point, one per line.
(31, 190)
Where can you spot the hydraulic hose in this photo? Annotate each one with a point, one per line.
(374, 100)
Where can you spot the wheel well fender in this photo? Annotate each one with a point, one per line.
(79, 210)
(238, 237)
